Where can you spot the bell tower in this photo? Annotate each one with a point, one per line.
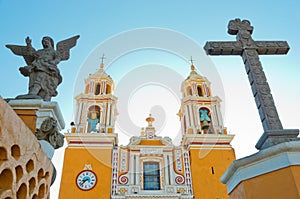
(204, 136)
(87, 161)
(96, 107)
(199, 112)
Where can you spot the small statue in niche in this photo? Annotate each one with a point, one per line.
(44, 75)
(93, 120)
(49, 132)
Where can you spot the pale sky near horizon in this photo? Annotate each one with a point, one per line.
(201, 21)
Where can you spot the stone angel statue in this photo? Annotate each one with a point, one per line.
(44, 75)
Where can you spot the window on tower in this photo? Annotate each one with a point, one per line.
(97, 90)
(151, 176)
(87, 88)
(199, 89)
(108, 89)
(208, 92)
(189, 91)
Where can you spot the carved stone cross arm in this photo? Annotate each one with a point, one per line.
(223, 48)
(236, 48)
(243, 31)
(272, 47)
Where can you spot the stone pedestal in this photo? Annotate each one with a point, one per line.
(273, 172)
(34, 111)
(270, 138)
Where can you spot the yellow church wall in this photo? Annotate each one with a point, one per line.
(296, 174)
(74, 162)
(282, 183)
(207, 167)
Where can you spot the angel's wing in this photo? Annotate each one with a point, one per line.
(63, 47)
(25, 51)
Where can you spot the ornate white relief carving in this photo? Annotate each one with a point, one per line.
(114, 172)
(123, 160)
(88, 167)
(123, 179)
(151, 151)
(188, 176)
(179, 179)
(178, 160)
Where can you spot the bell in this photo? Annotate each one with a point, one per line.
(205, 126)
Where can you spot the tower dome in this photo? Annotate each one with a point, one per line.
(195, 85)
(99, 83)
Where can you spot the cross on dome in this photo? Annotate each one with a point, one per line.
(102, 61)
(192, 65)
(192, 61)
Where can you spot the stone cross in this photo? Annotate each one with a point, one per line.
(250, 50)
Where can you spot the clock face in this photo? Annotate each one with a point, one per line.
(86, 180)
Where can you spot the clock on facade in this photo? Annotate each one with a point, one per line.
(86, 180)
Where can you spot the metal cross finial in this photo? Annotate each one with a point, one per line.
(102, 61)
(102, 58)
(191, 60)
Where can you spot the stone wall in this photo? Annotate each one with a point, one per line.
(25, 171)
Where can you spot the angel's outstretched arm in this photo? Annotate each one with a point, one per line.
(30, 50)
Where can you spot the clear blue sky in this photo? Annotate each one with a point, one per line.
(96, 21)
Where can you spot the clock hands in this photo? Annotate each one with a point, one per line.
(83, 181)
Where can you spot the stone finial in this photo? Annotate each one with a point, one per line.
(150, 120)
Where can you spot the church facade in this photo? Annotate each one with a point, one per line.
(150, 166)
